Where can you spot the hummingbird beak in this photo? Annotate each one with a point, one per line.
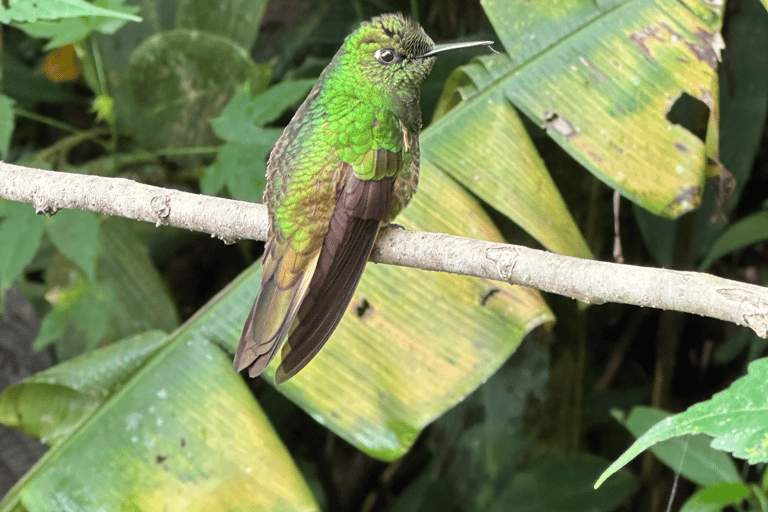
(440, 48)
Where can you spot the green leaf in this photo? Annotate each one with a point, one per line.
(84, 306)
(692, 456)
(241, 119)
(237, 20)
(563, 485)
(744, 106)
(716, 497)
(483, 145)
(76, 234)
(241, 162)
(33, 10)
(178, 86)
(128, 297)
(183, 431)
(49, 405)
(21, 232)
(64, 31)
(627, 63)
(241, 168)
(736, 418)
(27, 85)
(483, 436)
(6, 124)
(749, 230)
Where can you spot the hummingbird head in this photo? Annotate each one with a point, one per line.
(390, 52)
(389, 57)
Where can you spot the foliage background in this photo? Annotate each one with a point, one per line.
(534, 436)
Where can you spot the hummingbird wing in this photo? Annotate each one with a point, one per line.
(304, 294)
(361, 207)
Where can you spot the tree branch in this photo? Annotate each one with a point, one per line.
(589, 281)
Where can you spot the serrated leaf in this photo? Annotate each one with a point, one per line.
(33, 10)
(716, 497)
(76, 234)
(6, 124)
(49, 405)
(178, 84)
(241, 167)
(691, 456)
(21, 231)
(182, 432)
(736, 418)
(241, 119)
(69, 30)
(241, 162)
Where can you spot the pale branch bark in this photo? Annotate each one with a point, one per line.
(589, 281)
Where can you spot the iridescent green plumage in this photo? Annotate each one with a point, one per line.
(346, 164)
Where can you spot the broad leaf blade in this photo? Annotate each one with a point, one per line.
(182, 433)
(603, 82)
(717, 497)
(6, 124)
(736, 418)
(483, 145)
(76, 234)
(50, 404)
(746, 231)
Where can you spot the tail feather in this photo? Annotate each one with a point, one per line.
(271, 317)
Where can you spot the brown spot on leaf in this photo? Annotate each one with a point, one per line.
(641, 36)
(596, 156)
(596, 75)
(487, 296)
(559, 124)
(682, 147)
(363, 309)
(688, 199)
(707, 49)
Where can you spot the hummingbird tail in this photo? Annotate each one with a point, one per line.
(273, 313)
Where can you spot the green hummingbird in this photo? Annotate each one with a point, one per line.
(345, 165)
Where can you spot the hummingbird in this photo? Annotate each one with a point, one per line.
(346, 164)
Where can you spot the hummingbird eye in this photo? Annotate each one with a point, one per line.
(387, 56)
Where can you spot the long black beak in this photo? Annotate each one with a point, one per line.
(440, 48)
